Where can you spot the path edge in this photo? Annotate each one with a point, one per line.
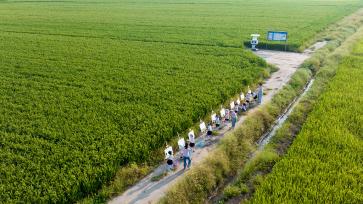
(201, 182)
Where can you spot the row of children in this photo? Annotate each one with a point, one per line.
(185, 152)
(249, 99)
(242, 104)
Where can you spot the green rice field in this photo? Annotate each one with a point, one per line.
(87, 86)
(324, 164)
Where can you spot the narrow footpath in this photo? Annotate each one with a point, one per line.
(148, 192)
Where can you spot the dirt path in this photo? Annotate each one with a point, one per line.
(147, 191)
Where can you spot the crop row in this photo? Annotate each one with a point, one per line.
(324, 164)
(199, 186)
(87, 86)
(198, 23)
(72, 114)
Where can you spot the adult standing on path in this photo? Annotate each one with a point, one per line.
(186, 156)
(234, 118)
(260, 93)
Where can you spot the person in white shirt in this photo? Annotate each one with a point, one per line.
(186, 156)
(191, 139)
(249, 97)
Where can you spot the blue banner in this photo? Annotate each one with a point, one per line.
(277, 35)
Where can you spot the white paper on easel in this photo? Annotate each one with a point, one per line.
(214, 117)
(232, 105)
(166, 151)
(238, 102)
(191, 136)
(181, 143)
(202, 126)
(242, 96)
(227, 113)
(223, 112)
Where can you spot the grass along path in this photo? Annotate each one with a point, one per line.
(324, 164)
(344, 35)
(79, 77)
(229, 158)
(148, 191)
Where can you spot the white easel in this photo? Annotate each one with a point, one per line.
(202, 126)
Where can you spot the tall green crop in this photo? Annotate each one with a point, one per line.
(324, 164)
(87, 86)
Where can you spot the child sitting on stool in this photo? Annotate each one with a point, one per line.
(248, 98)
(209, 130)
(170, 161)
(218, 122)
(244, 107)
(226, 117)
(191, 139)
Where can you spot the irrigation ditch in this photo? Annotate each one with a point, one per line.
(150, 190)
(265, 139)
(217, 196)
(273, 145)
(241, 146)
(229, 163)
